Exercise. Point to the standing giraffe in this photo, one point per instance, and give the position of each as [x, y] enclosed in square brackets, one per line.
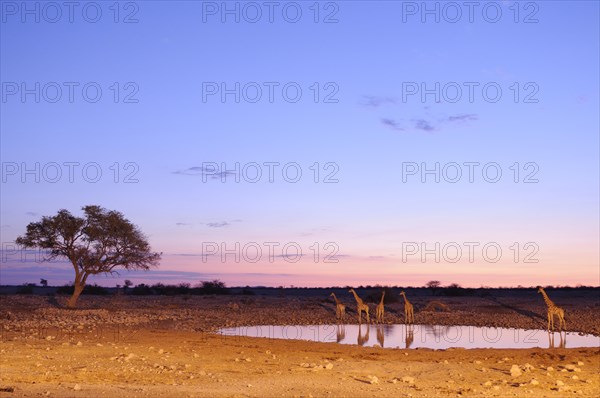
[360, 307]
[409, 315]
[380, 310]
[553, 310]
[340, 309]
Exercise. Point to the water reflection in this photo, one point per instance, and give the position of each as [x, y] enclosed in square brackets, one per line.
[410, 335]
[380, 335]
[361, 340]
[340, 333]
[563, 340]
[420, 336]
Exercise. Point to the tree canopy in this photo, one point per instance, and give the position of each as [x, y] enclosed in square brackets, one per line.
[97, 243]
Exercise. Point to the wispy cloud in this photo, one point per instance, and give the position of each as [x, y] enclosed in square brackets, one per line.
[422, 124]
[220, 224]
[32, 213]
[394, 125]
[428, 123]
[375, 101]
[205, 171]
[462, 118]
[182, 224]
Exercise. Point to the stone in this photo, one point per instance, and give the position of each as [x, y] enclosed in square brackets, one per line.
[515, 371]
[77, 387]
[408, 379]
[329, 366]
[528, 367]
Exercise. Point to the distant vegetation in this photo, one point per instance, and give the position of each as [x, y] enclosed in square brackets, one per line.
[89, 289]
[206, 287]
[26, 288]
[370, 293]
[391, 296]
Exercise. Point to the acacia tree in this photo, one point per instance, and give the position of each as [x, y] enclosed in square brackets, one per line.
[433, 285]
[95, 244]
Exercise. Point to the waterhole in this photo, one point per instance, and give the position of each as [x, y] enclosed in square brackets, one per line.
[419, 336]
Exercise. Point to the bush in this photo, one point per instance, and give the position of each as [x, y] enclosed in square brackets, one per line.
[211, 287]
[142, 290]
[95, 290]
[89, 289]
[248, 292]
[65, 289]
[375, 296]
[454, 290]
[26, 288]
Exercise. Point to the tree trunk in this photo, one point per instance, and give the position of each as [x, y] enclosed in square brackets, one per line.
[78, 288]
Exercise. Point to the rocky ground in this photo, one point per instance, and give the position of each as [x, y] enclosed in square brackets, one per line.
[166, 346]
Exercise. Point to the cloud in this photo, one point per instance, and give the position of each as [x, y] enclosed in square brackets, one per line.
[429, 123]
[32, 213]
[392, 124]
[217, 224]
[422, 124]
[583, 99]
[375, 102]
[462, 118]
[182, 223]
[205, 171]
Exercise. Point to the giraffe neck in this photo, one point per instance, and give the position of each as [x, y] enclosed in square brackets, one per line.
[382, 297]
[335, 298]
[358, 300]
[405, 299]
[549, 302]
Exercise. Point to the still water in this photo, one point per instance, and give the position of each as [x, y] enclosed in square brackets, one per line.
[419, 336]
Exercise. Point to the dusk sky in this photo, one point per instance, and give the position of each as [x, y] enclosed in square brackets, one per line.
[346, 103]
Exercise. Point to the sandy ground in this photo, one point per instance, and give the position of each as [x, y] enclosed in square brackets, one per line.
[165, 346]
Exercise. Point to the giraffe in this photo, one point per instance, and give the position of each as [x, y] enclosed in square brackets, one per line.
[553, 310]
[409, 316]
[380, 310]
[360, 307]
[340, 309]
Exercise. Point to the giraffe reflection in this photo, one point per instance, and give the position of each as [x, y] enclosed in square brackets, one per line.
[340, 333]
[361, 340]
[562, 343]
[380, 335]
[410, 335]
